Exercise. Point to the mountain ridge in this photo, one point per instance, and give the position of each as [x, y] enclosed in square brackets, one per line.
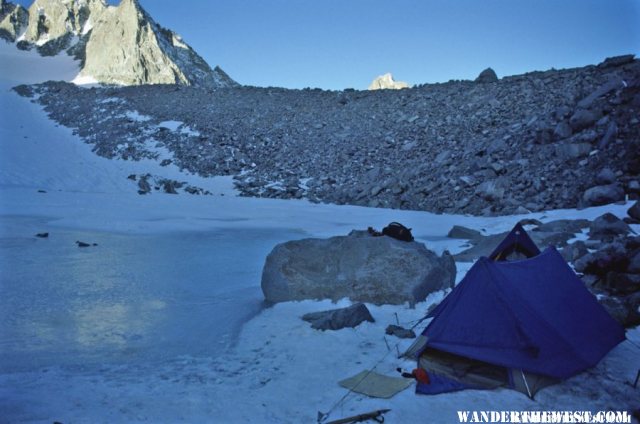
[120, 45]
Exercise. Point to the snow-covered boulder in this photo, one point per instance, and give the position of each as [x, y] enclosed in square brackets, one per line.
[379, 270]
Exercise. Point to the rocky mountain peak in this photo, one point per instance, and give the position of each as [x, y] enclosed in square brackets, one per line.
[119, 45]
[54, 19]
[13, 20]
[385, 82]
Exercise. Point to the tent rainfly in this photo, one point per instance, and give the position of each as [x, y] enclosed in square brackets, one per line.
[522, 324]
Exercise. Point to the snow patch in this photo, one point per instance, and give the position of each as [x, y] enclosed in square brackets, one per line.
[28, 67]
[178, 126]
[88, 26]
[135, 116]
[85, 80]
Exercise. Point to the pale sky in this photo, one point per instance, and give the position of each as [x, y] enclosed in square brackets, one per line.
[337, 44]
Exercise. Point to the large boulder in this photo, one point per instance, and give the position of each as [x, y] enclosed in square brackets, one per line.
[607, 227]
[612, 258]
[378, 270]
[488, 75]
[603, 194]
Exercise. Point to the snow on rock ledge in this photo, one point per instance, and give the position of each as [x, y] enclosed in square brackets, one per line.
[378, 270]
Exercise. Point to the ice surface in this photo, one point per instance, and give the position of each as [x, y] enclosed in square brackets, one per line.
[130, 299]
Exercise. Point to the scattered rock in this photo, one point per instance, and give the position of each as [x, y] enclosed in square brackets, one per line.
[379, 270]
[42, 235]
[611, 258]
[570, 151]
[634, 263]
[623, 283]
[582, 119]
[574, 251]
[634, 211]
[606, 176]
[603, 194]
[608, 227]
[490, 190]
[337, 319]
[143, 185]
[609, 136]
[460, 232]
[83, 244]
[617, 61]
[563, 130]
[169, 187]
[400, 332]
[625, 310]
[487, 76]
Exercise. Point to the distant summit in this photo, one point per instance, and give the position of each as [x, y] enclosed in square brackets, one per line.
[13, 18]
[115, 44]
[385, 82]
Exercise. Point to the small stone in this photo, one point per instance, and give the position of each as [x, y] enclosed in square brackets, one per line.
[460, 232]
[563, 130]
[400, 332]
[582, 119]
[606, 176]
[337, 319]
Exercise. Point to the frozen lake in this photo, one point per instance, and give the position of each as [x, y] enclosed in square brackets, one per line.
[131, 299]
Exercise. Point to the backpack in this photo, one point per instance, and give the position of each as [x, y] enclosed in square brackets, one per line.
[398, 231]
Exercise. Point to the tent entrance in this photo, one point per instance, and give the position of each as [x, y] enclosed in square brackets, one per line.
[451, 372]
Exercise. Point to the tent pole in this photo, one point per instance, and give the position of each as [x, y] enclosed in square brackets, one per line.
[526, 384]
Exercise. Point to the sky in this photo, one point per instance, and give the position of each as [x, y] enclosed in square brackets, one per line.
[338, 44]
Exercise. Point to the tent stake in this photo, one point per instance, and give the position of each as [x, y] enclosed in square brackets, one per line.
[635, 384]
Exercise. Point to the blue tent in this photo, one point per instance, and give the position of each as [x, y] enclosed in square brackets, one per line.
[517, 241]
[521, 324]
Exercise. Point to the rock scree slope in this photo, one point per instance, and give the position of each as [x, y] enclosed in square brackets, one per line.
[539, 141]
